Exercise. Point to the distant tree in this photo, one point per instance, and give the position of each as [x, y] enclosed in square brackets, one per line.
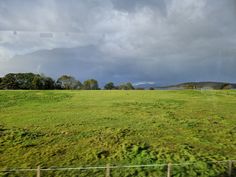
[110, 86]
[226, 86]
[151, 88]
[9, 82]
[48, 83]
[26, 81]
[126, 86]
[37, 82]
[140, 88]
[91, 84]
[68, 82]
[190, 86]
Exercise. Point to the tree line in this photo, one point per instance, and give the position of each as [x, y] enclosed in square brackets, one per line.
[31, 81]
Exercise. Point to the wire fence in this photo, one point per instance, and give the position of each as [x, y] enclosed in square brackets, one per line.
[107, 169]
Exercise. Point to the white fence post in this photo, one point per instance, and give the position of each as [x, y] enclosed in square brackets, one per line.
[230, 168]
[108, 170]
[38, 171]
[169, 170]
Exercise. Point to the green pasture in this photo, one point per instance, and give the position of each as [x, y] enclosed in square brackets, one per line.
[93, 128]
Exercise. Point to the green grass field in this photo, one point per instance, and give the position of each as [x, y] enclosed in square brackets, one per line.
[90, 128]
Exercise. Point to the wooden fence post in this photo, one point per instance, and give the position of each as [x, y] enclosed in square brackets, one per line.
[230, 168]
[108, 170]
[169, 170]
[38, 171]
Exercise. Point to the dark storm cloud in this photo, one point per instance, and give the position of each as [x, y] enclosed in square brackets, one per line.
[165, 41]
[134, 5]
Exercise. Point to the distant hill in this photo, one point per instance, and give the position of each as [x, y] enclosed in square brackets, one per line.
[200, 85]
[145, 85]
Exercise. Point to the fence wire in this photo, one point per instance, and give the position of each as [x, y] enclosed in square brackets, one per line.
[112, 167]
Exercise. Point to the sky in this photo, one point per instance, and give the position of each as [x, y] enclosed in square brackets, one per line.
[141, 41]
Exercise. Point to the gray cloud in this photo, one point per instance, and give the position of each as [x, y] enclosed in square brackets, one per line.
[135, 5]
[166, 41]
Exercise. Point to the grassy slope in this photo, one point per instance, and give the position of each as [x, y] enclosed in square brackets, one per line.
[74, 128]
